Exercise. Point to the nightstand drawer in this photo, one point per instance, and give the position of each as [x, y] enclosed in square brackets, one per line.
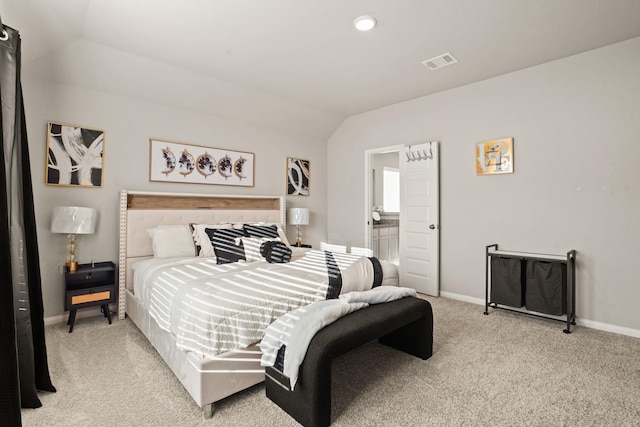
[84, 298]
[87, 297]
[103, 273]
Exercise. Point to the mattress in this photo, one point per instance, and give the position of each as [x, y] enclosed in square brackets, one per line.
[212, 308]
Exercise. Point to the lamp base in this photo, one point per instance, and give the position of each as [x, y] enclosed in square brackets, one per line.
[298, 241]
[71, 266]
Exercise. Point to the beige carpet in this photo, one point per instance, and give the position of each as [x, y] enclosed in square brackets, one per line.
[500, 370]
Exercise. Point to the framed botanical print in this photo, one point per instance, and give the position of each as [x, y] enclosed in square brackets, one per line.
[298, 177]
[494, 157]
[74, 156]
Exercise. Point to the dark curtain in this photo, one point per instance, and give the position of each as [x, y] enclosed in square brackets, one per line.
[23, 354]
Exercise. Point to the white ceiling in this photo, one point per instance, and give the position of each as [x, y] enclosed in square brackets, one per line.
[305, 54]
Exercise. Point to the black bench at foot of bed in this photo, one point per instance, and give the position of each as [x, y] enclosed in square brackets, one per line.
[405, 324]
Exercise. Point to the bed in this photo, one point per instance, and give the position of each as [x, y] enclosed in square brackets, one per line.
[210, 371]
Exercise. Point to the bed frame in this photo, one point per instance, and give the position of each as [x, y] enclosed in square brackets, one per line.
[210, 379]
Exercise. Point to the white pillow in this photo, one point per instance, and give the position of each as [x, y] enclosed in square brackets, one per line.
[201, 238]
[361, 251]
[341, 249]
[389, 273]
[252, 247]
[171, 241]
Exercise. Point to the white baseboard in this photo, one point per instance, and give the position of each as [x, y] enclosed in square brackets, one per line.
[609, 328]
[465, 298]
[581, 322]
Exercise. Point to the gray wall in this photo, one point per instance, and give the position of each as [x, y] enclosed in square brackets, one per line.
[575, 124]
[128, 125]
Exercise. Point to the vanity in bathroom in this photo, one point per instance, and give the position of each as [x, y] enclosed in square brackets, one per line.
[385, 239]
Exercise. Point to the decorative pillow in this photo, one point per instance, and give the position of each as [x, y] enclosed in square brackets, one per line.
[389, 274]
[196, 239]
[225, 246]
[256, 231]
[283, 237]
[261, 231]
[252, 247]
[170, 241]
[275, 252]
[201, 239]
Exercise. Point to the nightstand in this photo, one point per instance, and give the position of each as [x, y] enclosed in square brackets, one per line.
[303, 245]
[90, 285]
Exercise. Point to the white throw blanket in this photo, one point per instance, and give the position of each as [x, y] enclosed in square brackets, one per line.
[296, 329]
[379, 295]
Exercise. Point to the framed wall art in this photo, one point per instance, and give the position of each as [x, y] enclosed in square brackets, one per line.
[297, 177]
[195, 164]
[494, 157]
[74, 156]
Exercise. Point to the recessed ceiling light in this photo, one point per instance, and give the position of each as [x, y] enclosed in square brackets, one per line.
[364, 23]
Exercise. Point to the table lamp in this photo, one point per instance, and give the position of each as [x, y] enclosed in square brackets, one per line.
[72, 220]
[298, 217]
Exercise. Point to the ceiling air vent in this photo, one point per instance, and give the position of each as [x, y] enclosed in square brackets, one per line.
[440, 61]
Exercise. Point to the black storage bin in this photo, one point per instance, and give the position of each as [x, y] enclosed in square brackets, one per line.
[507, 281]
[546, 287]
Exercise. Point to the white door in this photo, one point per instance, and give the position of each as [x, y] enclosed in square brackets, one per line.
[419, 218]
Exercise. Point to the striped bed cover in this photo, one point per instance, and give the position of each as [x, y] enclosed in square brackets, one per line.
[213, 308]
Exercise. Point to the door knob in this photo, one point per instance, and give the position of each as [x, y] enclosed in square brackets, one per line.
[433, 226]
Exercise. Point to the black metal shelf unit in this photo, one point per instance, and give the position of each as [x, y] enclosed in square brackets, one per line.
[544, 284]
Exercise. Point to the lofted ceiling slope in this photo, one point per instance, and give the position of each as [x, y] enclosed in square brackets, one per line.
[297, 65]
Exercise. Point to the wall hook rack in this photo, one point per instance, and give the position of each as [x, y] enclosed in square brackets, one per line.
[413, 156]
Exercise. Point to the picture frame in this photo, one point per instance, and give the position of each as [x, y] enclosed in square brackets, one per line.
[494, 156]
[75, 156]
[197, 164]
[298, 177]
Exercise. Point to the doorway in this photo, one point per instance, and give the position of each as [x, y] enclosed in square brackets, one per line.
[417, 220]
[382, 206]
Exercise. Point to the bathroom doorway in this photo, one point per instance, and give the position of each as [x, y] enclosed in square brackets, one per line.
[409, 237]
[382, 202]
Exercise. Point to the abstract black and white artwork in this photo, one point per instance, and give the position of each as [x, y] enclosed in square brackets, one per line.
[297, 177]
[74, 156]
[195, 164]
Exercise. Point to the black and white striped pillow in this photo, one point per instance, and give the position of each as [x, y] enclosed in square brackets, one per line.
[227, 244]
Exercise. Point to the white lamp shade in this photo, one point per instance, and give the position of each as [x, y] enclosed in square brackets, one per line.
[299, 216]
[73, 220]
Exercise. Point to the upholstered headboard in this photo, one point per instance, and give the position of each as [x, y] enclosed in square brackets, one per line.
[140, 211]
